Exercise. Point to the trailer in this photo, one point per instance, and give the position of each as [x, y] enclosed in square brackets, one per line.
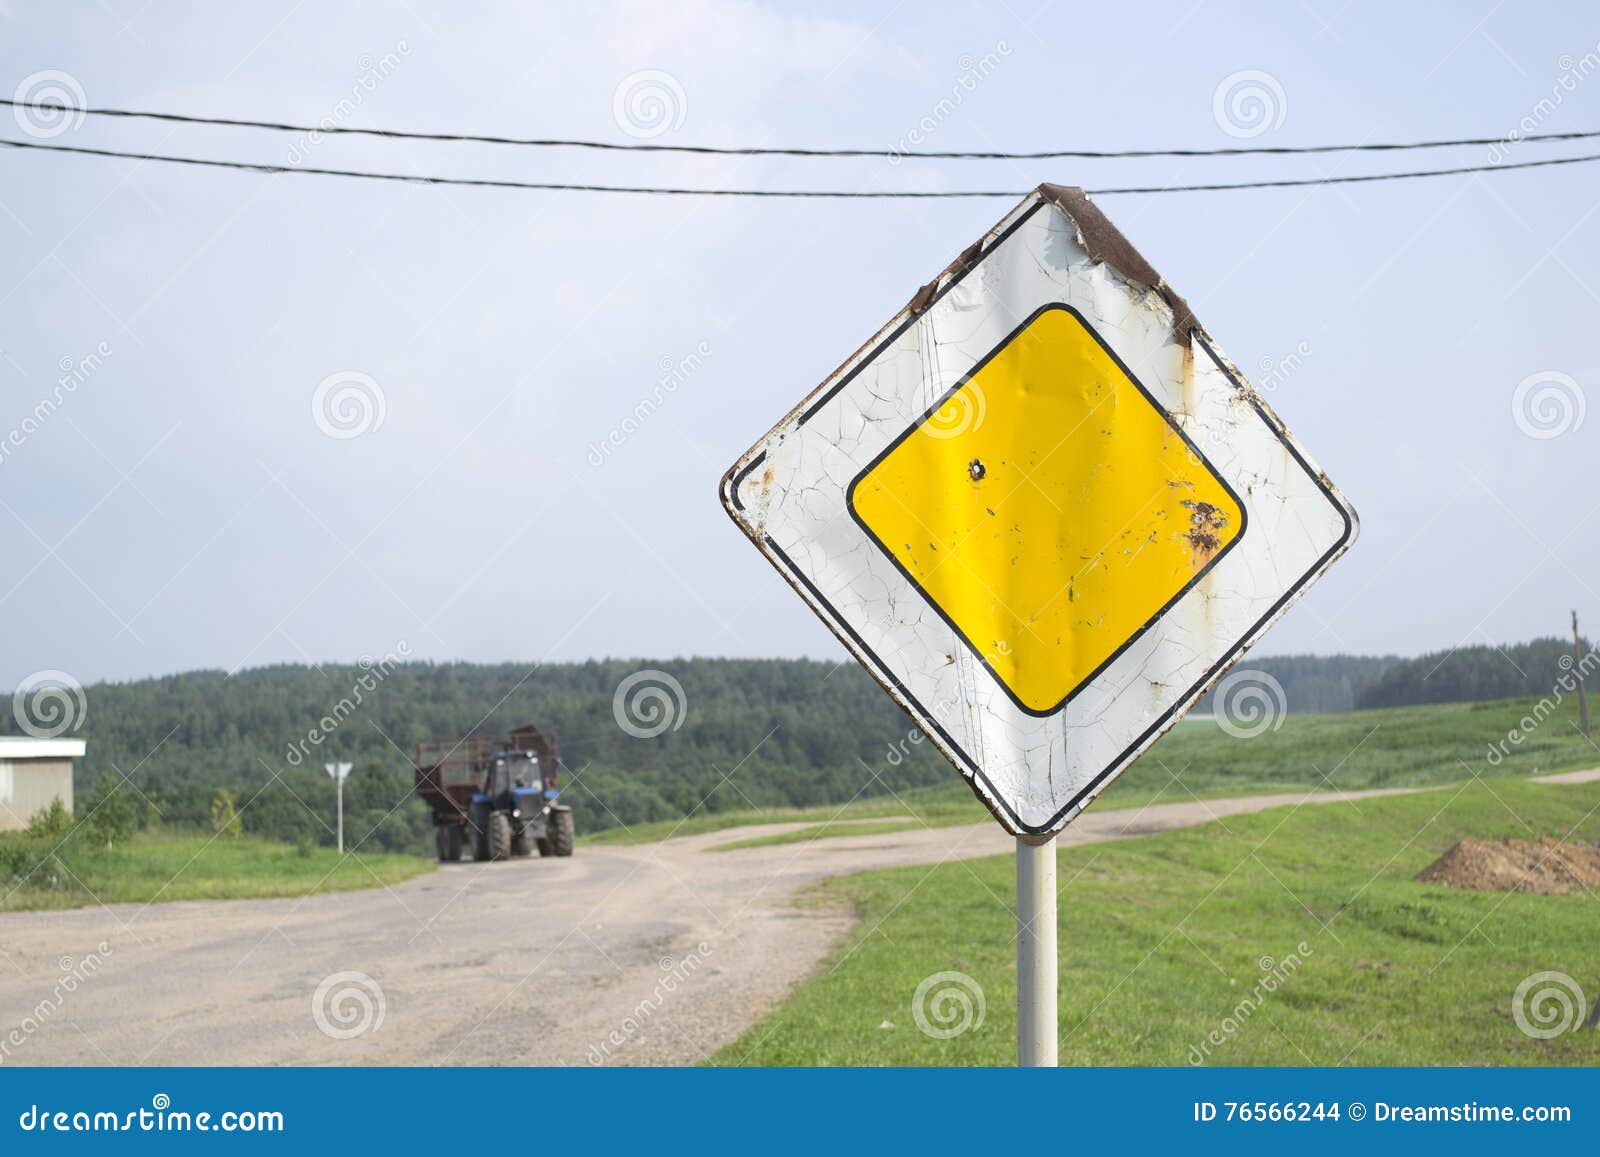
[495, 796]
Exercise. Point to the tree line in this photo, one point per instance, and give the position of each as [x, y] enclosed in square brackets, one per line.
[640, 741]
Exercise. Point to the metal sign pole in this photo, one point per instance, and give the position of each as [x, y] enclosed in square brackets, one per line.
[341, 815]
[1036, 953]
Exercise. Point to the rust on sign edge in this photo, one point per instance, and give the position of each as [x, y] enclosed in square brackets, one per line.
[1105, 243]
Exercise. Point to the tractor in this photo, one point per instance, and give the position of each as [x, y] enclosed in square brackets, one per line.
[495, 795]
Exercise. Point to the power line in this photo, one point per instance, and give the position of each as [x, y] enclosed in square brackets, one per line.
[832, 194]
[764, 151]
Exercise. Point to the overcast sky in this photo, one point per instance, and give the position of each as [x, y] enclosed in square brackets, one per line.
[186, 504]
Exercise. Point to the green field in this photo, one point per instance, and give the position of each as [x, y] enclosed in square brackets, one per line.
[1393, 747]
[1165, 938]
[73, 872]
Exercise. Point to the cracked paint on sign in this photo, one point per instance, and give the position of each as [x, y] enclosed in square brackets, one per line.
[1041, 509]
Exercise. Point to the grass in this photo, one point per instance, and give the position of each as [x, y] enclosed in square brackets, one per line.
[1165, 940]
[157, 866]
[1392, 747]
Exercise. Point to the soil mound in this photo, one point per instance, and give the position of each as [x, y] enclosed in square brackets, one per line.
[1546, 866]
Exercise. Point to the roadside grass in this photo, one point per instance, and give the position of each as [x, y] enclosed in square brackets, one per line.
[1392, 747]
[74, 871]
[1168, 940]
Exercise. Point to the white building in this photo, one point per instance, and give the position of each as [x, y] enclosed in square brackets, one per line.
[32, 773]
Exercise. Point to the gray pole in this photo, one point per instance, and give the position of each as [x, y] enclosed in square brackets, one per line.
[338, 771]
[1577, 659]
[1036, 954]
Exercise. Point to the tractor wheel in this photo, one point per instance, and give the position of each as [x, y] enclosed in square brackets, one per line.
[544, 848]
[480, 841]
[498, 837]
[522, 843]
[447, 841]
[561, 833]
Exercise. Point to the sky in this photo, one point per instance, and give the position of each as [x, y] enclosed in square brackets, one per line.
[311, 419]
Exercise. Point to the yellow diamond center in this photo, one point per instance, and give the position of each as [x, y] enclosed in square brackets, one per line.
[1048, 508]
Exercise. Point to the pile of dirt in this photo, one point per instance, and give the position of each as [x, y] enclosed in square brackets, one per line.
[1546, 866]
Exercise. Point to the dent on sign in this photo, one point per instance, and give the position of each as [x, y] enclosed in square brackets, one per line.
[1042, 508]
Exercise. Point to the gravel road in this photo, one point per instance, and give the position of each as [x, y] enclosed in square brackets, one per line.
[655, 954]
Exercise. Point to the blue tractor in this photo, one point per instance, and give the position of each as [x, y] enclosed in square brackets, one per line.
[495, 795]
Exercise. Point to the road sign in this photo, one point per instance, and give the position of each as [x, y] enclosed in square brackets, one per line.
[1042, 509]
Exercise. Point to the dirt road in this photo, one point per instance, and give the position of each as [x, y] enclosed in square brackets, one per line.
[654, 954]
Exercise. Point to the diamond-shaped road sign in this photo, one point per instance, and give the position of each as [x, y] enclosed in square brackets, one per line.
[1042, 509]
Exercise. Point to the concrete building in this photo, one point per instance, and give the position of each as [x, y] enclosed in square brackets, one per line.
[32, 773]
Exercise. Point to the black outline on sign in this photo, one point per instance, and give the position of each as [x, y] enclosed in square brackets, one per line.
[1244, 518]
[924, 718]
